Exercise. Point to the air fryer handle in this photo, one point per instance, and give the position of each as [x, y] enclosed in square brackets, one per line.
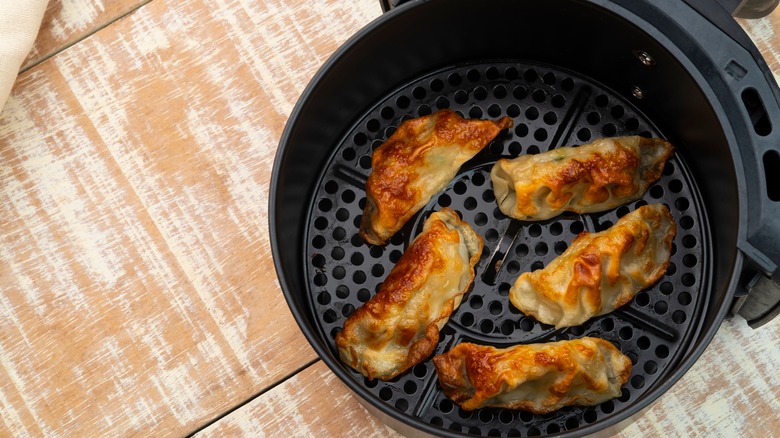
[737, 8]
[749, 8]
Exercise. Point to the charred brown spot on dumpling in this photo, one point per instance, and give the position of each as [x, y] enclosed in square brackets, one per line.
[417, 161]
[590, 178]
[599, 272]
[399, 326]
[540, 378]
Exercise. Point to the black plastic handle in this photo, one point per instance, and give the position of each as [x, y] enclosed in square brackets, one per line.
[737, 8]
[749, 8]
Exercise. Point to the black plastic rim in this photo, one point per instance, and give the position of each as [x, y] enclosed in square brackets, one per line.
[550, 108]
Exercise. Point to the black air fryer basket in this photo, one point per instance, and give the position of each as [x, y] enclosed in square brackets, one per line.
[567, 72]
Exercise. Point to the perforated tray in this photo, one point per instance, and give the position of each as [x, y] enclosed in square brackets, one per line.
[550, 108]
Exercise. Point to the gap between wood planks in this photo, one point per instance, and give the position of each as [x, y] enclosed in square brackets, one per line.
[253, 397]
[85, 36]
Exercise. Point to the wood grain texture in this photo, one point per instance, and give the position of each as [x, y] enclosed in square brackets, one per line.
[138, 290]
[68, 21]
[695, 406]
[731, 391]
[295, 409]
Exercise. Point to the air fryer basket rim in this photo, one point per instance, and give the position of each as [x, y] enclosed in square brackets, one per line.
[300, 314]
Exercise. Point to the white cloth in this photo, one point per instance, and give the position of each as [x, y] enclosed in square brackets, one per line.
[19, 24]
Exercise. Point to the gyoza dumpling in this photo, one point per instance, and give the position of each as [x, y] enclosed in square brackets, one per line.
[599, 272]
[540, 378]
[421, 157]
[590, 178]
[399, 327]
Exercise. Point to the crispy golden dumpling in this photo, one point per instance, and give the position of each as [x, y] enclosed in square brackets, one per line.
[416, 162]
[399, 327]
[540, 378]
[599, 272]
[590, 178]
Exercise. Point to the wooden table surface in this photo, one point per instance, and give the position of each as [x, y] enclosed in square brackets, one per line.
[138, 294]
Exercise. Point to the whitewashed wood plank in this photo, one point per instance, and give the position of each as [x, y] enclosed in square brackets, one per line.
[312, 403]
[68, 21]
[718, 397]
[138, 290]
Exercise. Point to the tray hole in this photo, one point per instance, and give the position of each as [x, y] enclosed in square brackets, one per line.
[520, 92]
[550, 118]
[445, 406]
[678, 317]
[485, 416]
[507, 328]
[521, 130]
[323, 298]
[329, 316]
[506, 416]
[607, 325]
[757, 112]
[461, 97]
[480, 93]
[499, 91]
[772, 173]
[521, 250]
[558, 101]
[473, 75]
[526, 324]
[583, 134]
[488, 196]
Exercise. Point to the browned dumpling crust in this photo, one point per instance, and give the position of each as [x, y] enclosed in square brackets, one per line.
[399, 327]
[421, 157]
[599, 272]
[540, 378]
[594, 177]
